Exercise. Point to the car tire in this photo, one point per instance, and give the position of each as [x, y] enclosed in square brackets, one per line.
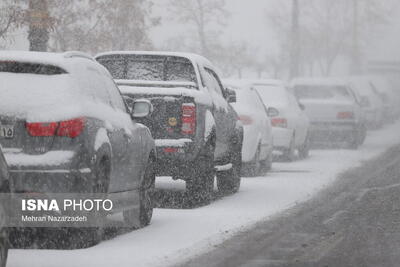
[304, 150]
[91, 236]
[267, 164]
[146, 200]
[200, 184]
[254, 168]
[229, 181]
[4, 245]
[358, 137]
[289, 153]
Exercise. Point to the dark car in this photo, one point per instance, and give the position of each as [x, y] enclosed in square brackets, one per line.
[4, 189]
[64, 127]
[196, 129]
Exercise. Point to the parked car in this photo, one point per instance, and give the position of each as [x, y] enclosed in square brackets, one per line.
[258, 141]
[194, 125]
[389, 96]
[371, 102]
[289, 122]
[334, 110]
[4, 189]
[65, 128]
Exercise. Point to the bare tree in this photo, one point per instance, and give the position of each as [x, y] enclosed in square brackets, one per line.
[203, 15]
[98, 25]
[10, 17]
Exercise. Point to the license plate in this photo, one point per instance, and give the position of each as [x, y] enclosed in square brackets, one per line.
[7, 131]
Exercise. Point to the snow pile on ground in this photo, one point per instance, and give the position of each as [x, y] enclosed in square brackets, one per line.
[176, 235]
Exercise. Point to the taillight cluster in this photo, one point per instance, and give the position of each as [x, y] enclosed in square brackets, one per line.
[188, 118]
[70, 128]
[345, 115]
[279, 122]
[246, 120]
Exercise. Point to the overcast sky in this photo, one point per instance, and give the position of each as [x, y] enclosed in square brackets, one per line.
[248, 23]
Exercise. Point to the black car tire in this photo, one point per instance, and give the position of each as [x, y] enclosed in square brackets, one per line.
[304, 150]
[254, 168]
[229, 181]
[358, 137]
[3, 242]
[200, 185]
[267, 164]
[146, 195]
[289, 153]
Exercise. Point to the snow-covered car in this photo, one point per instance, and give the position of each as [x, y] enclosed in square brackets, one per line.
[257, 141]
[195, 127]
[4, 231]
[289, 122]
[334, 110]
[371, 102]
[65, 129]
[389, 95]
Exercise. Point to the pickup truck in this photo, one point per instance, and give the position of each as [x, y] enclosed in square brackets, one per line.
[197, 132]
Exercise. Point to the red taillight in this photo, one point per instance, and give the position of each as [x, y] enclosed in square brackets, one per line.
[188, 118]
[279, 122]
[170, 149]
[246, 120]
[42, 129]
[70, 128]
[345, 115]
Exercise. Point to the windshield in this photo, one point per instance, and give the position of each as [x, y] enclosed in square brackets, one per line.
[321, 92]
[149, 68]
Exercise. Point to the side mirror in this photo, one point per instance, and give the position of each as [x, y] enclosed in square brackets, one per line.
[302, 107]
[230, 95]
[272, 112]
[141, 108]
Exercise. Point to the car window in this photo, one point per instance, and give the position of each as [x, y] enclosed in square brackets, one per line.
[214, 82]
[115, 95]
[30, 68]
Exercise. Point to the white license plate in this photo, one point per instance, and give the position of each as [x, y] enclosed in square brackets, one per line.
[7, 131]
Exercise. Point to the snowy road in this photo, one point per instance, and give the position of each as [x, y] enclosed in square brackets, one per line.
[176, 235]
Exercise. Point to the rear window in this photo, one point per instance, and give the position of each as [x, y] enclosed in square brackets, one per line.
[149, 68]
[272, 95]
[320, 92]
[30, 68]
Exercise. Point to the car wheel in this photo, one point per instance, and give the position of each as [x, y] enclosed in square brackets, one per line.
[229, 181]
[288, 153]
[253, 169]
[146, 195]
[357, 138]
[3, 240]
[304, 150]
[267, 164]
[91, 236]
[200, 184]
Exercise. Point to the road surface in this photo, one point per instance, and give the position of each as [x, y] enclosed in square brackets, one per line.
[356, 222]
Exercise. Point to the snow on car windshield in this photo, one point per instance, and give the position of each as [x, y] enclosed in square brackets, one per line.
[321, 92]
[149, 68]
[272, 95]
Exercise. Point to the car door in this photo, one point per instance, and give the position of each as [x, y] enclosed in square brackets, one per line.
[264, 124]
[128, 150]
[220, 112]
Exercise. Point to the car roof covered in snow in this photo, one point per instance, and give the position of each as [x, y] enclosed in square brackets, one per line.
[248, 82]
[327, 81]
[62, 60]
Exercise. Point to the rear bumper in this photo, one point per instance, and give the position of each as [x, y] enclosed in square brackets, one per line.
[282, 138]
[54, 171]
[332, 131]
[175, 157]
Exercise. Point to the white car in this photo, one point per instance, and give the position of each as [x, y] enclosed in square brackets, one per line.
[334, 110]
[258, 142]
[289, 122]
[371, 102]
